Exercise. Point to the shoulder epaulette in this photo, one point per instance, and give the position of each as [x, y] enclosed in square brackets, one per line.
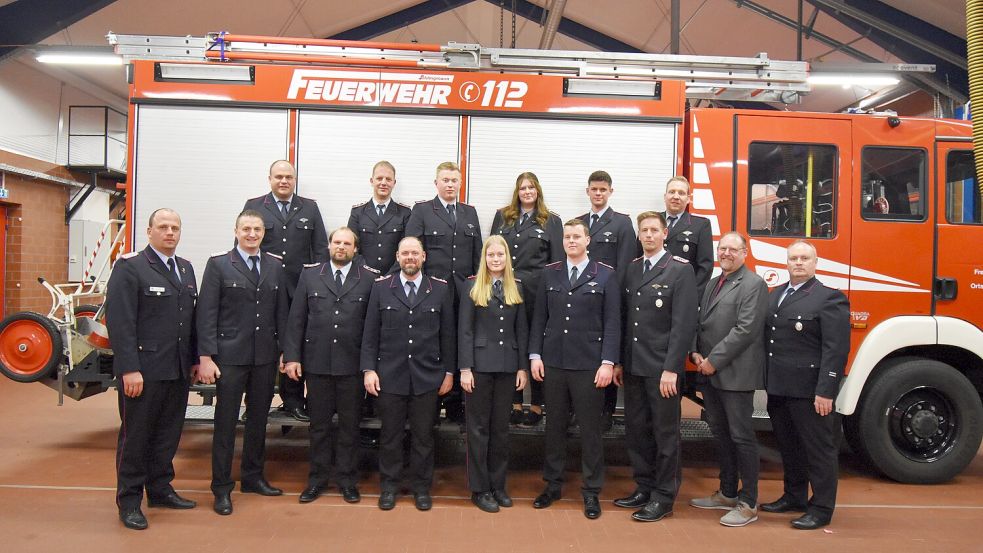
[218, 254]
[274, 255]
[128, 255]
[438, 279]
[401, 203]
[361, 204]
[306, 199]
[462, 203]
[680, 259]
[311, 265]
[553, 264]
[518, 280]
[421, 201]
[258, 198]
[605, 264]
[383, 278]
[376, 271]
[637, 258]
[473, 277]
[553, 213]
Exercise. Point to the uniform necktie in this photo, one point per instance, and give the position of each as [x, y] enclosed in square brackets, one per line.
[672, 221]
[573, 277]
[648, 266]
[254, 260]
[337, 279]
[381, 208]
[283, 208]
[523, 219]
[788, 292]
[412, 293]
[593, 219]
[452, 212]
[173, 269]
[497, 290]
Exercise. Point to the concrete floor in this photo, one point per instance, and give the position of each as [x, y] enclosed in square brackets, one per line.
[57, 486]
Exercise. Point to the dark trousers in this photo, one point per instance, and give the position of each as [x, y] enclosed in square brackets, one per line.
[730, 416]
[566, 390]
[807, 442]
[327, 395]
[149, 432]
[291, 392]
[256, 382]
[487, 411]
[421, 413]
[536, 387]
[653, 438]
[610, 399]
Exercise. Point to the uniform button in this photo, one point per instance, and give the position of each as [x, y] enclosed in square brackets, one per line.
[180, 324]
[257, 302]
[636, 324]
[380, 259]
[284, 239]
[568, 305]
[501, 318]
[773, 328]
[769, 354]
[410, 356]
[380, 245]
[336, 326]
[380, 232]
[501, 343]
[411, 341]
[635, 339]
[335, 341]
[411, 311]
[639, 293]
[775, 315]
[501, 330]
[514, 258]
[337, 312]
[284, 227]
[569, 294]
[565, 331]
[517, 235]
[636, 309]
[515, 245]
[284, 253]
[453, 259]
[257, 314]
[257, 328]
[410, 326]
[772, 341]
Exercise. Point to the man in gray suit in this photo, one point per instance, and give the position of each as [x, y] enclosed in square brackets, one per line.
[730, 350]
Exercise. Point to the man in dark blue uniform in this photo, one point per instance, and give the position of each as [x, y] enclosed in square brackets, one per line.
[659, 307]
[409, 352]
[612, 242]
[323, 338]
[574, 343]
[690, 236]
[380, 222]
[451, 239]
[295, 232]
[808, 339]
[242, 311]
[150, 315]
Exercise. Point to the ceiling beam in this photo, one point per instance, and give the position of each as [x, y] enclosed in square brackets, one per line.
[570, 28]
[400, 19]
[27, 22]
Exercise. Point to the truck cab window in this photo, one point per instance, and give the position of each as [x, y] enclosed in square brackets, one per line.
[792, 189]
[963, 193]
[892, 185]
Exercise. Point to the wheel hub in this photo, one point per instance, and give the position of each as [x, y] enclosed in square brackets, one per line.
[922, 425]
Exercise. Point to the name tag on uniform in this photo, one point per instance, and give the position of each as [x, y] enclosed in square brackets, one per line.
[158, 289]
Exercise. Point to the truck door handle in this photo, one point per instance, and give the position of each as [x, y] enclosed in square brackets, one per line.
[945, 288]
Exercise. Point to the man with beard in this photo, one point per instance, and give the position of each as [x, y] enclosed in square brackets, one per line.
[409, 352]
[323, 338]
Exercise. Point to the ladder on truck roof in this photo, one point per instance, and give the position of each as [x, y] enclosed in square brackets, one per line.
[707, 77]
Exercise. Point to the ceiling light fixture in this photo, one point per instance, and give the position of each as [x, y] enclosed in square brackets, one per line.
[77, 55]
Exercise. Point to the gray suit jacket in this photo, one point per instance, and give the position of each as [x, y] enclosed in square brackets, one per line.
[731, 331]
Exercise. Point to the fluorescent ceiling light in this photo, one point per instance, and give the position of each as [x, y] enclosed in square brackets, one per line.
[77, 55]
[853, 80]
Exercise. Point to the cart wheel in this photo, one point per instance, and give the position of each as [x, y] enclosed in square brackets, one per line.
[86, 311]
[30, 347]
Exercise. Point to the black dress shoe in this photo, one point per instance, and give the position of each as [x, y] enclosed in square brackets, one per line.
[545, 499]
[531, 419]
[350, 494]
[592, 507]
[298, 413]
[133, 519]
[515, 419]
[387, 501]
[783, 505]
[502, 498]
[311, 493]
[653, 511]
[423, 501]
[261, 486]
[810, 521]
[485, 501]
[171, 501]
[223, 504]
[633, 501]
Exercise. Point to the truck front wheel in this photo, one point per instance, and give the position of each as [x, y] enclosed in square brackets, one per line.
[920, 421]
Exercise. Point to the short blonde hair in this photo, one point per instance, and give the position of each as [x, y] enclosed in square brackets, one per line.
[447, 166]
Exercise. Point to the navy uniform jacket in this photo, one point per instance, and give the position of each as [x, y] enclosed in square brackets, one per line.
[492, 339]
[151, 317]
[324, 330]
[239, 320]
[532, 247]
[411, 347]
[691, 238]
[378, 238]
[612, 240]
[297, 240]
[577, 328]
[452, 252]
[660, 310]
[808, 340]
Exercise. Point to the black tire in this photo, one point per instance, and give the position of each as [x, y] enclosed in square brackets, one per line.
[30, 347]
[851, 433]
[920, 421]
[86, 310]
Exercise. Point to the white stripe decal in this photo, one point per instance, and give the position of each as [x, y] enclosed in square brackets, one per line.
[703, 199]
[771, 253]
[697, 148]
[700, 174]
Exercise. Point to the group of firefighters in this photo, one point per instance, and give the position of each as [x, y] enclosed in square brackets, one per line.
[409, 305]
